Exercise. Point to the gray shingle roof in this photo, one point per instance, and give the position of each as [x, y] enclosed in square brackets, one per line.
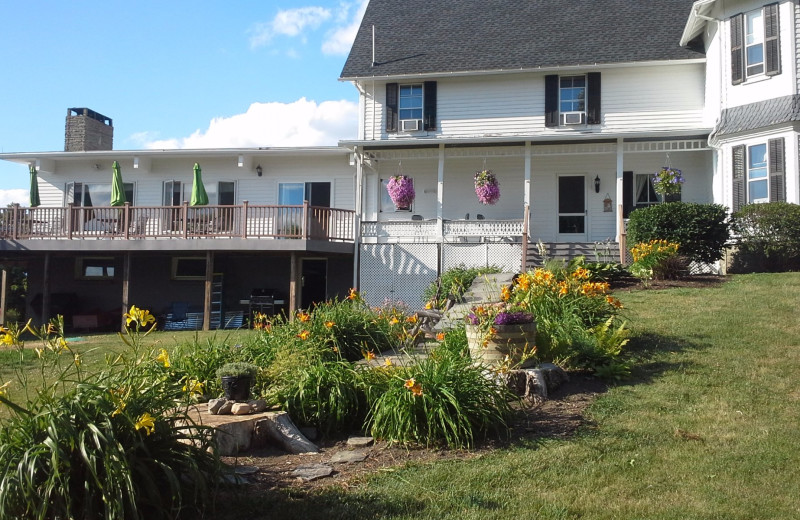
[759, 115]
[436, 36]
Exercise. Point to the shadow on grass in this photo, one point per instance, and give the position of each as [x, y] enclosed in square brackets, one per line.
[650, 356]
[323, 503]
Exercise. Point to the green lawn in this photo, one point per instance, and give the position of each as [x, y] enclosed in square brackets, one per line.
[707, 428]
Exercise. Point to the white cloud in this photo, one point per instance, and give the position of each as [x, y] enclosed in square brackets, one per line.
[339, 40]
[288, 22]
[20, 196]
[301, 123]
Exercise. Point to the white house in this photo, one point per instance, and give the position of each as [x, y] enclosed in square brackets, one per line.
[572, 105]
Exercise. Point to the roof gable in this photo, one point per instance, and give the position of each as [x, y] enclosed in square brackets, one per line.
[440, 36]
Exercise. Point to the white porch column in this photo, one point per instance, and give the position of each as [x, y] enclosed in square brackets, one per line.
[619, 194]
[440, 194]
[527, 182]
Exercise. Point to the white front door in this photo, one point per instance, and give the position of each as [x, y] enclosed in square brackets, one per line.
[571, 208]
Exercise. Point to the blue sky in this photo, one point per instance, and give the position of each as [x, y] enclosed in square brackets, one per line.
[175, 74]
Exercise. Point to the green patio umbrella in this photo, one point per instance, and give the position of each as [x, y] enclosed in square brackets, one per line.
[34, 188]
[199, 195]
[117, 188]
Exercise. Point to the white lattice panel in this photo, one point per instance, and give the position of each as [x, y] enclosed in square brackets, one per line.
[508, 257]
[487, 228]
[397, 272]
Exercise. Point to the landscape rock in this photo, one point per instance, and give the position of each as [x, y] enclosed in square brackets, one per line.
[257, 405]
[360, 442]
[310, 472]
[214, 405]
[346, 457]
[246, 470]
[226, 407]
[241, 409]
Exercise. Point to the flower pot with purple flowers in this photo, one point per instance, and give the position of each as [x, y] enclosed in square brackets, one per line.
[486, 187]
[401, 191]
[499, 334]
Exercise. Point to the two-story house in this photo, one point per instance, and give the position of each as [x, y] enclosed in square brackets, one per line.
[276, 234]
[753, 96]
[572, 105]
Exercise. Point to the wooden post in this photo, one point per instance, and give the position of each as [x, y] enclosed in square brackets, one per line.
[70, 217]
[525, 239]
[306, 220]
[208, 287]
[185, 219]
[15, 227]
[294, 286]
[126, 278]
[3, 285]
[46, 290]
[244, 219]
[126, 220]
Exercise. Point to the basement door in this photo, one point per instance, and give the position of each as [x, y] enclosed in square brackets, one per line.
[572, 208]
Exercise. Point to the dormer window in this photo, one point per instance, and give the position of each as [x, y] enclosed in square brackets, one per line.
[755, 44]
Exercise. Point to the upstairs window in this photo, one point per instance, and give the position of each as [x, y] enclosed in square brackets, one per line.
[755, 44]
[572, 100]
[410, 108]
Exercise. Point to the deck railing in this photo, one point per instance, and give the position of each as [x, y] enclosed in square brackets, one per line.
[143, 222]
[451, 230]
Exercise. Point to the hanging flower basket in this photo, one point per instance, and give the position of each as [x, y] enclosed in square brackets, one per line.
[486, 187]
[401, 191]
[668, 181]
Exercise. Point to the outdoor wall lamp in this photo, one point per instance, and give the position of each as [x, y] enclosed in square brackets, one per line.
[596, 183]
[259, 170]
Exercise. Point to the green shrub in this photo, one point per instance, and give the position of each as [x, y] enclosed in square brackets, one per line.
[117, 444]
[768, 237]
[454, 283]
[443, 399]
[601, 351]
[700, 229]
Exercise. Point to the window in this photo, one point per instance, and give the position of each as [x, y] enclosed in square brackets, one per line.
[757, 187]
[759, 173]
[173, 193]
[387, 206]
[644, 194]
[188, 268]
[755, 44]
[410, 104]
[572, 94]
[572, 100]
[95, 194]
[410, 107]
[94, 268]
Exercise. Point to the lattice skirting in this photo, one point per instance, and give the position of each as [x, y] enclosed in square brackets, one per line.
[507, 257]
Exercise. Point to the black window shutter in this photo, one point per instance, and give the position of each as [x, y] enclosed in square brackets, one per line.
[429, 110]
[593, 98]
[772, 46]
[777, 170]
[737, 49]
[391, 107]
[739, 195]
[551, 100]
[627, 194]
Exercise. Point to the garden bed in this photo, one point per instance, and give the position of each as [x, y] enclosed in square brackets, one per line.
[556, 418]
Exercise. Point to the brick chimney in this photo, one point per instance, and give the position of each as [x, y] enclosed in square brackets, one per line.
[87, 131]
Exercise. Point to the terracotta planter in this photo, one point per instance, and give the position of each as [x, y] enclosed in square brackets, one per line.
[510, 340]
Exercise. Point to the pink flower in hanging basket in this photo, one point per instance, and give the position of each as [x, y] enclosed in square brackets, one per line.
[486, 187]
[401, 190]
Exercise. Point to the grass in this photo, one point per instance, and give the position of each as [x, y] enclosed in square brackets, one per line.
[705, 429]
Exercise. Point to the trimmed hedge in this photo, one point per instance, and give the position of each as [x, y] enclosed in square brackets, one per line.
[700, 229]
[768, 237]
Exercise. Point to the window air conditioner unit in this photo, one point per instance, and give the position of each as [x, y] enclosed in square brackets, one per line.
[573, 118]
[410, 125]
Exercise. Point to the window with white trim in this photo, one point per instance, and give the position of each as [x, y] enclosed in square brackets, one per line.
[757, 175]
[572, 94]
[754, 43]
[644, 194]
[410, 102]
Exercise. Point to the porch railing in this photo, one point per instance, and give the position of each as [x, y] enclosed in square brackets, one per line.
[451, 230]
[142, 222]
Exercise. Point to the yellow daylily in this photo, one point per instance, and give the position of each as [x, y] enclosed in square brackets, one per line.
[163, 357]
[193, 386]
[146, 421]
[4, 388]
[142, 317]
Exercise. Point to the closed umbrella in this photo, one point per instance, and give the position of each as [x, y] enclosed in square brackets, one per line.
[117, 188]
[199, 195]
[34, 188]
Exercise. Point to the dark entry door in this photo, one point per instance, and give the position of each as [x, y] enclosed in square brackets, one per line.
[572, 208]
[315, 281]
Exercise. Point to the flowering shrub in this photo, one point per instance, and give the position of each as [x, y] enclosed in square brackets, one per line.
[486, 187]
[668, 181]
[118, 444]
[401, 190]
[656, 259]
